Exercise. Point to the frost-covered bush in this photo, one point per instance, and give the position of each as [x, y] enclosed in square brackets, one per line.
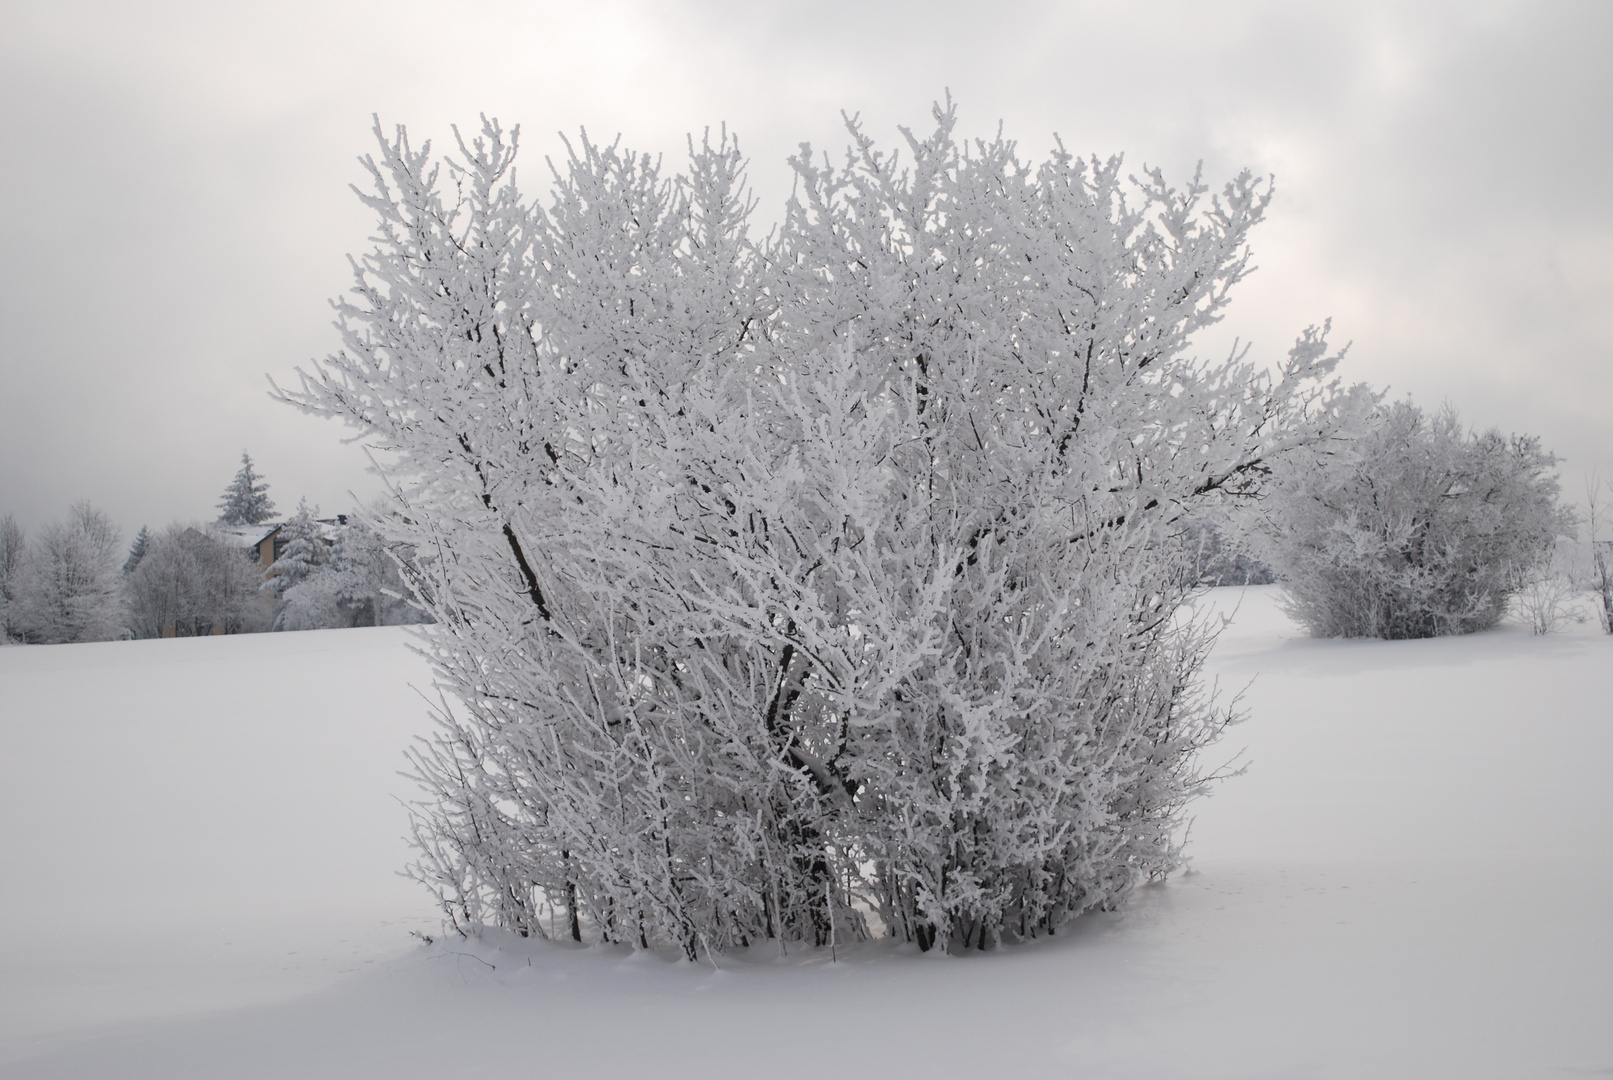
[1419, 528]
[816, 588]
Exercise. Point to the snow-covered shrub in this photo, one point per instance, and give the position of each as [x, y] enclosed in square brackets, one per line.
[68, 587]
[784, 586]
[1417, 529]
[190, 583]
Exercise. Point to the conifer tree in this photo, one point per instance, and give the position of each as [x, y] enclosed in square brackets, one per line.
[137, 551]
[246, 500]
[305, 552]
[363, 570]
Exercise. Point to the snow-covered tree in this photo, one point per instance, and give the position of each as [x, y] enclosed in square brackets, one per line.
[192, 583]
[365, 572]
[314, 603]
[13, 549]
[161, 589]
[246, 500]
[1419, 528]
[350, 579]
[1545, 594]
[1600, 577]
[69, 588]
[1221, 556]
[786, 586]
[306, 551]
[137, 550]
[230, 580]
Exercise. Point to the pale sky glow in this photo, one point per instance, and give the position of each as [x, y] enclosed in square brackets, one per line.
[176, 211]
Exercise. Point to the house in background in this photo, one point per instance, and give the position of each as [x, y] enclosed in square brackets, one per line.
[196, 610]
[267, 541]
[263, 539]
[208, 599]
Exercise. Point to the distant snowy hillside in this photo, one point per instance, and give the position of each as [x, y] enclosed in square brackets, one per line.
[200, 841]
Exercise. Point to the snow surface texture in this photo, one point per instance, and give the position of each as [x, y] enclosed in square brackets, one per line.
[200, 842]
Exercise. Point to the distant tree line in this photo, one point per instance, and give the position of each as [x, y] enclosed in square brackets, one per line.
[1408, 526]
[73, 582]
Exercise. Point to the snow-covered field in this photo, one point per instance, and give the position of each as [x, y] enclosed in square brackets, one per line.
[199, 842]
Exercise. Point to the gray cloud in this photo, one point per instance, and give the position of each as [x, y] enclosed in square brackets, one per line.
[176, 212]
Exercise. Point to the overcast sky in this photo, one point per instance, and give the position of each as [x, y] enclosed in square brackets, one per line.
[176, 211]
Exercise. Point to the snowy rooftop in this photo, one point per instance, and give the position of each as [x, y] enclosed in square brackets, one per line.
[244, 536]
